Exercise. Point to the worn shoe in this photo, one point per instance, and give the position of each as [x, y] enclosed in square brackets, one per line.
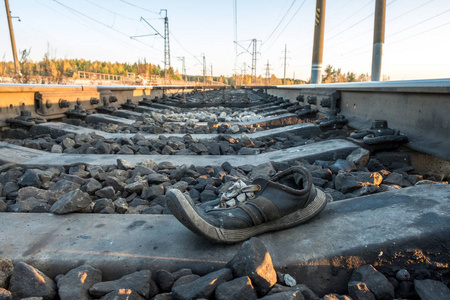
[285, 200]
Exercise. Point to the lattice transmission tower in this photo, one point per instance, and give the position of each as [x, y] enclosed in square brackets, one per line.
[166, 44]
[166, 41]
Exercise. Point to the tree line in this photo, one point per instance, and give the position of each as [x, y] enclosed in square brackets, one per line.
[52, 70]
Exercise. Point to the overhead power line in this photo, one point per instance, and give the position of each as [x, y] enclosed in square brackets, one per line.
[98, 22]
[421, 22]
[287, 24]
[281, 21]
[140, 7]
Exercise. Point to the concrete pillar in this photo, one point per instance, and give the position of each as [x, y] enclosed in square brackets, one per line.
[319, 28]
[378, 39]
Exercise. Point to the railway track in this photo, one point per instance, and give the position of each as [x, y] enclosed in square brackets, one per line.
[124, 148]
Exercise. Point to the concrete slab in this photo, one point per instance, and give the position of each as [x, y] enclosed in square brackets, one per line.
[325, 150]
[380, 229]
[56, 129]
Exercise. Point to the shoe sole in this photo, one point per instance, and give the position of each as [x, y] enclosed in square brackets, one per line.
[184, 210]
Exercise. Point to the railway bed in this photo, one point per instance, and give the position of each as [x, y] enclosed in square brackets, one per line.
[400, 220]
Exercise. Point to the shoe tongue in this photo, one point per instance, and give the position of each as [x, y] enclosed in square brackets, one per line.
[298, 178]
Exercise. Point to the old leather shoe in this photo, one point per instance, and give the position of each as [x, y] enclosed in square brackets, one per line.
[285, 200]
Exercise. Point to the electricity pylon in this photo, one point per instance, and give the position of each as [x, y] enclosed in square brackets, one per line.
[254, 53]
[166, 41]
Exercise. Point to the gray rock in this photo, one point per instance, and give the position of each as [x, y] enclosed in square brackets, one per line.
[136, 187]
[153, 191]
[359, 291]
[63, 187]
[203, 287]
[431, 289]
[167, 150]
[6, 268]
[234, 129]
[103, 206]
[359, 156]
[403, 275]
[46, 175]
[102, 148]
[127, 150]
[115, 182]
[30, 178]
[236, 289]
[342, 165]
[157, 178]
[265, 170]
[106, 192]
[41, 195]
[376, 282]
[254, 261]
[91, 185]
[76, 283]
[120, 205]
[179, 172]
[26, 205]
[73, 178]
[140, 282]
[397, 179]
[125, 164]
[68, 143]
[56, 149]
[122, 294]
[79, 170]
[198, 148]
[27, 281]
[9, 187]
[207, 195]
[71, 202]
[348, 182]
[142, 170]
[185, 279]
[180, 185]
[165, 279]
[6, 167]
[149, 164]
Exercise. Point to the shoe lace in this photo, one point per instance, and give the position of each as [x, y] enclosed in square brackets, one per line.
[237, 193]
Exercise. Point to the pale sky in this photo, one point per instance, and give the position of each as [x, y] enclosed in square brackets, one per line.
[417, 39]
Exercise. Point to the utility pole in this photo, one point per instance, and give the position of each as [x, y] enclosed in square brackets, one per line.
[211, 71]
[319, 28]
[204, 69]
[13, 42]
[378, 39]
[183, 67]
[285, 50]
[267, 73]
[254, 41]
